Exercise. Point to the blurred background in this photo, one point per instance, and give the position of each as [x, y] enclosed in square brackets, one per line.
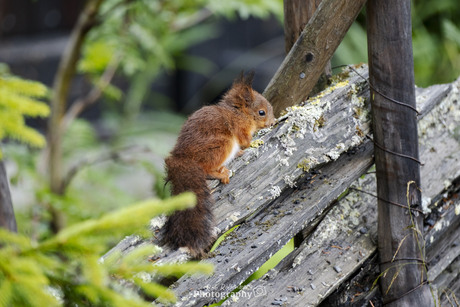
[145, 65]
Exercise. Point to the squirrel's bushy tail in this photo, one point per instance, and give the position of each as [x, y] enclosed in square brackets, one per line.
[191, 228]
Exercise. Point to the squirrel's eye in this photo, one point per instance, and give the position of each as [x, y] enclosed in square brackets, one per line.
[262, 113]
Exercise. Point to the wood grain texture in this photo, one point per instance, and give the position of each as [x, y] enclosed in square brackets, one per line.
[391, 72]
[297, 13]
[307, 59]
[346, 237]
[442, 255]
[7, 218]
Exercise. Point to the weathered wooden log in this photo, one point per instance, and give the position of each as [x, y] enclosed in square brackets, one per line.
[443, 251]
[307, 59]
[267, 224]
[345, 239]
[439, 146]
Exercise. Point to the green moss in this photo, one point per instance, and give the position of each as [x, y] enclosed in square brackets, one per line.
[304, 165]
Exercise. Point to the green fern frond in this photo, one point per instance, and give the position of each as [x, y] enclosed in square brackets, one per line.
[66, 269]
[12, 125]
[156, 290]
[8, 238]
[22, 104]
[143, 252]
[91, 293]
[27, 292]
[22, 87]
[18, 98]
[131, 216]
[6, 290]
[93, 271]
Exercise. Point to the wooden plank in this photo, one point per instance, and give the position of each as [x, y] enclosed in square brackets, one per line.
[339, 228]
[307, 59]
[444, 264]
[262, 235]
[342, 241]
[442, 224]
[448, 284]
[265, 233]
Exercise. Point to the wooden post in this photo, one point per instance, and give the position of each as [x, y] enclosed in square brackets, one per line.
[305, 63]
[391, 72]
[297, 13]
[7, 219]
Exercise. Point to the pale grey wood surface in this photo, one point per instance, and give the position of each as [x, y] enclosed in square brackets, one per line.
[343, 227]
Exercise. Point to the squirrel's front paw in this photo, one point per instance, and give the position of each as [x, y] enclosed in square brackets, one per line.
[225, 177]
[240, 152]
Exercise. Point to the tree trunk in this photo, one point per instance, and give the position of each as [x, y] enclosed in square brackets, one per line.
[297, 13]
[7, 219]
[61, 86]
[400, 234]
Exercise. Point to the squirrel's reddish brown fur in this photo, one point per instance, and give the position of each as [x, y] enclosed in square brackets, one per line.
[208, 141]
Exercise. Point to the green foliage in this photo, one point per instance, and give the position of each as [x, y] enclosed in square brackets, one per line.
[247, 8]
[19, 98]
[66, 269]
[99, 187]
[150, 36]
[435, 39]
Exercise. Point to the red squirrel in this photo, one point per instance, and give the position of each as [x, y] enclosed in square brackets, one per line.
[208, 141]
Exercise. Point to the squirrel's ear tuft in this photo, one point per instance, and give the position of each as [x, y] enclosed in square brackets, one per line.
[240, 78]
[241, 93]
[249, 78]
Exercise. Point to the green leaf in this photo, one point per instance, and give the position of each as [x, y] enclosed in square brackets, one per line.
[96, 56]
[127, 218]
[451, 31]
[197, 64]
